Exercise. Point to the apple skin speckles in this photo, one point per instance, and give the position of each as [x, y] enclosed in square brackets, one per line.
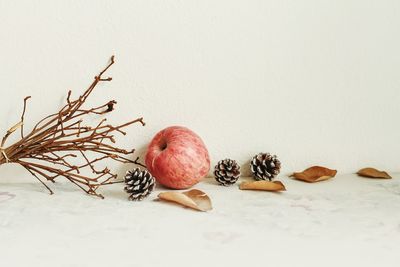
[177, 158]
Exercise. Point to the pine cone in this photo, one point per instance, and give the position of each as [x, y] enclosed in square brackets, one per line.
[264, 166]
[227, 172]
[139, 184]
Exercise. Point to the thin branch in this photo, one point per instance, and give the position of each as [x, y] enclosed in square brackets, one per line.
[58, 137]
[23, 116]
[34, 175]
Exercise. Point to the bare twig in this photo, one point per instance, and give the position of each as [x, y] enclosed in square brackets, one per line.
[62, 136]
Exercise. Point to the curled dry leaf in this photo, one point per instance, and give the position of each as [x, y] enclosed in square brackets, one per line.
[315, 174]
[194, 199]
[373, 173]
[274, 186]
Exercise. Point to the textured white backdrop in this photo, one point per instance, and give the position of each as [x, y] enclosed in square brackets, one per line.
[316, 82]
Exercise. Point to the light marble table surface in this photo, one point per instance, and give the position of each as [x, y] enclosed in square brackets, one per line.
[346, 221]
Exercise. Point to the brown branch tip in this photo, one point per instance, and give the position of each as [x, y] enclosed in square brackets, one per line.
[62, 145]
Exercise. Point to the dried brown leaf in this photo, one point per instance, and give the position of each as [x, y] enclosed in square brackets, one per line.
[373, 173]
[315, 174]
[194, 199]
[263, 186]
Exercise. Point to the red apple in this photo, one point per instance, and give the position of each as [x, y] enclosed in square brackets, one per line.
[177, 158]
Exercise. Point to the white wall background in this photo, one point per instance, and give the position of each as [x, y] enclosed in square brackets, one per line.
[316, 82]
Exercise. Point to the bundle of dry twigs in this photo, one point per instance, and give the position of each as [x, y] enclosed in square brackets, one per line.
[48, 150]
